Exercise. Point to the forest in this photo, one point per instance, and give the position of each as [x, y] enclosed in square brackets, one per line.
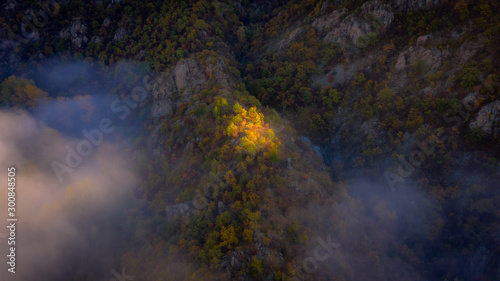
[255, 140]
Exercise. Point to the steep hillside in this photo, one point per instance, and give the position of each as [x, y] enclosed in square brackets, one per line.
[279, 140]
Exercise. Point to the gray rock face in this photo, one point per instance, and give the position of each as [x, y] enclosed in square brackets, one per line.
[221, 206]
[120, 34]
[187, 77]
[330, 20]
[178, 210]
[431, 58]
[427, 51]
[96, 39]
[290, 38]
[421, 53]
[402, 61]
[342, 27]
[76, 32]
[10, 6]
[178, 85]
[468, 49]
[488, 118]
[423, 41]
[106, 22]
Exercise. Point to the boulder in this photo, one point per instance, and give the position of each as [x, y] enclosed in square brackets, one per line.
[120, 34]
[106, 22]
[177, 210]
[416, 55]
[488, 118]
[342, 27]
[76, 32]
[186, 78]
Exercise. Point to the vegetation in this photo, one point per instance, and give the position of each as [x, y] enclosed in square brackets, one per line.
[19, 92]
[234, 155]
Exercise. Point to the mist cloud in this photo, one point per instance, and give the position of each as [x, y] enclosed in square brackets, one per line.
[63, 225]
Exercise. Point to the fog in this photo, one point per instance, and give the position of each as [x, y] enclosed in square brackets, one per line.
[74, 175]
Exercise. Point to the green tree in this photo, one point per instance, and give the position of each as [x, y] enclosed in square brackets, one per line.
[20, 92]
[385, 96]
[255, 267]
[228, 237]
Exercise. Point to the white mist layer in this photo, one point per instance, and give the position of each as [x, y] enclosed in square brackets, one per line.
[59, 223]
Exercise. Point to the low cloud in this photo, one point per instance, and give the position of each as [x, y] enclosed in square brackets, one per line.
[62, 226]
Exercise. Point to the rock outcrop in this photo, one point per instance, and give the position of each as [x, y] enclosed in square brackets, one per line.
[184, 79]
[76, 32]
[344, 26]
[187, 78]
[120, 34]
[422, 55]
[488, 118]
[341, 26]
[106, 22]
[292, 35]
[179, 210]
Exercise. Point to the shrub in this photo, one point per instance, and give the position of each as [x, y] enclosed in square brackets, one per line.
[200, 110]
[256, 267]
[368, 40]
[469, 76]
[385, 96]
[475, 135]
